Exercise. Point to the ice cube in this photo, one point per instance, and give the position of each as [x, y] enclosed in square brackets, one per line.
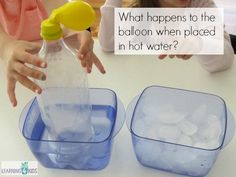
[199, 115]
[147, 126]
[165, 108]
[211, 129]
[101, 122]
[188, 127]
[185, 140]
[61, 118]
[102, 127]
[171, 117]
[149, 110]
[165, 113]
[169, 133]
[215, 124]
[150, 120]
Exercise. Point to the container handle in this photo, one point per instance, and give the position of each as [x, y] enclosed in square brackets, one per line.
[130, 111]
[230, 130]
[24, 114]
[120, 118]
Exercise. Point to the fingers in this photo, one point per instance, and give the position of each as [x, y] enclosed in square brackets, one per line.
[186, 57]
[172, 56]
[83, 63]
[28, 72]
[83, 55]
[89, 59]
[180, 56]
[85, 47]
[27, 83]
[25, 57]
[89, 64]
[161, 57]
[11, 91]
[98, 64]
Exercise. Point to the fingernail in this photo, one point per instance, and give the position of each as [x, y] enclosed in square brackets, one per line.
[13, 104]
[43, 65]
[37, 91]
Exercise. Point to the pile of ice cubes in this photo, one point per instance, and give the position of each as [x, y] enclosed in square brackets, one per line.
[193, 132]
[167, 124]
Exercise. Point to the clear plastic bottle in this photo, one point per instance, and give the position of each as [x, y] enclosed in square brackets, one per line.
[64, 102]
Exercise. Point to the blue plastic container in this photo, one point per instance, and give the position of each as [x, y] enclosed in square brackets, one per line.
[107, 120]
[163, 136]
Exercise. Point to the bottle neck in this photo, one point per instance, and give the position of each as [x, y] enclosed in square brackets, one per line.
[53, 46]
[50, 44]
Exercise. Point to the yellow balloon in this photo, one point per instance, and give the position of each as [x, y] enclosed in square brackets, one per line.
[76, 15]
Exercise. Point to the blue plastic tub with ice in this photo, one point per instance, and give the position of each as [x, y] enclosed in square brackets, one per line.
[179, 131]
[107, 119]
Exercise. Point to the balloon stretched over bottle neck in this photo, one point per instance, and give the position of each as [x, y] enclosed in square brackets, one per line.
[76, 15]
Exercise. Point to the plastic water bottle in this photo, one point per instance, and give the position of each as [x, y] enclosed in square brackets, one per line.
[64, 102]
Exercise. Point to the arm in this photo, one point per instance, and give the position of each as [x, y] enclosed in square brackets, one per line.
[216, 63]
[106, 31]
[50, 5]
[4, 40]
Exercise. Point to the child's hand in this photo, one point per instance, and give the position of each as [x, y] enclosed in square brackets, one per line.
[184, 57]
[17, 56]
[85, 50]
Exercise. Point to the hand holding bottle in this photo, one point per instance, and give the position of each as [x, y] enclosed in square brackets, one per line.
[17, 57]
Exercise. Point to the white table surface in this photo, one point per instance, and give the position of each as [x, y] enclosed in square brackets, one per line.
[127, 76]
